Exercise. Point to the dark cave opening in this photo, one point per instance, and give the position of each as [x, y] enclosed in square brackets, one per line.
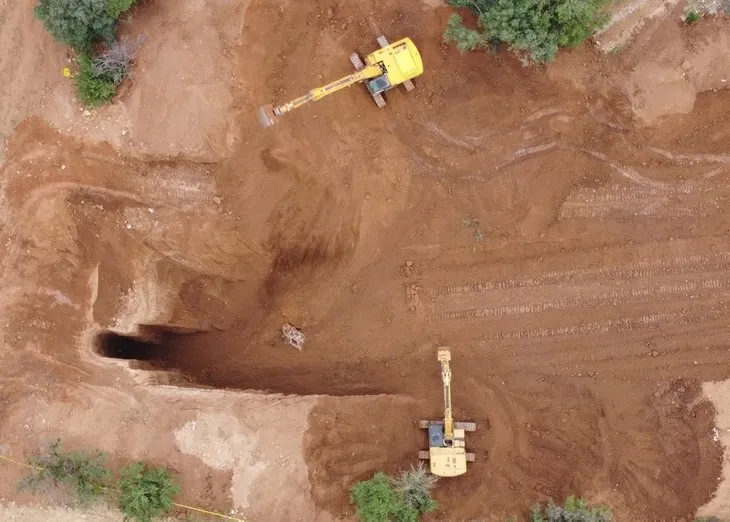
[116, 346]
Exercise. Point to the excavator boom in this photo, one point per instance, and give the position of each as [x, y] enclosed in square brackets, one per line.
[267, 113]
[444, 357]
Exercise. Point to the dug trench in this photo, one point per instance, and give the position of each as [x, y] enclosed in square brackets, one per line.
[582, 319]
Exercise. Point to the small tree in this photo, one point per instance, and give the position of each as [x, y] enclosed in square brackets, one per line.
[145, 492]
[573, 510]
[83, 472]
[415, 486]
[534, 29]
[77, 23]
[377, 501]
[93, 89]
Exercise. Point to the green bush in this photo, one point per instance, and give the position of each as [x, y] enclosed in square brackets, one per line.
[692, 17]
[78, 23]
[534, 29]
[93, 89]
[377, 501]
[145, 492]
[414, 486]
[84, 473]
[118, 7]
[572, 510]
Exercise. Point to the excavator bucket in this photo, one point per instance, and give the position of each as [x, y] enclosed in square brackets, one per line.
[266, 115]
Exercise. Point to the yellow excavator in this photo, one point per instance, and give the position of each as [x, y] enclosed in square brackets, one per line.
[391, 65]
[447, 445]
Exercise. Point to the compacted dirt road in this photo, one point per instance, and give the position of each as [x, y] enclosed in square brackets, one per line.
[563, 230]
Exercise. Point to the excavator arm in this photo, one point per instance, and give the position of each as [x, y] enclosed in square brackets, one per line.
[444, 357]
[268, 113]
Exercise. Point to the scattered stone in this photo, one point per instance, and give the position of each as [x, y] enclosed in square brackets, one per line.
[217, 200]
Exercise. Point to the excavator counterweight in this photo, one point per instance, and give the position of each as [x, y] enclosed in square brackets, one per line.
[446, 439]
[391, 65]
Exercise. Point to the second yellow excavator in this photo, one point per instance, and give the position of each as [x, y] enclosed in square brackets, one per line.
[391, 65]
[446, 439]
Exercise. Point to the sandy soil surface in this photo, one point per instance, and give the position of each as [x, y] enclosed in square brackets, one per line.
[562, 229]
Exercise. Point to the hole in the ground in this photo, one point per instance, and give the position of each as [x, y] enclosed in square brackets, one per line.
[110, 344]
[199, 360]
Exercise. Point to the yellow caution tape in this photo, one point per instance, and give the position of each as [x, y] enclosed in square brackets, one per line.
[221, 515]
[192, 508]
[19, 463]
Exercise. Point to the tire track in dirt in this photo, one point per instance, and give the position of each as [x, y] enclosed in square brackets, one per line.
[639, 295]
[715, 262]
[684, 200]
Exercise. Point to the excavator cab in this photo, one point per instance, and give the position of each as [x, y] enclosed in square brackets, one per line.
[447, 453]
[378, 85]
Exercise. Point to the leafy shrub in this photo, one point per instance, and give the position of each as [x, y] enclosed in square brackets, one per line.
[534, 29]
[692, 17]
[414, 486]
[377, 501]
[573, 510]
[84, 473]
[145, 492]
[118, 7]
[77, 23]
[93, 89]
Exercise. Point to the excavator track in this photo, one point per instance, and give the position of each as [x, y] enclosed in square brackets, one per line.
[358, 64]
